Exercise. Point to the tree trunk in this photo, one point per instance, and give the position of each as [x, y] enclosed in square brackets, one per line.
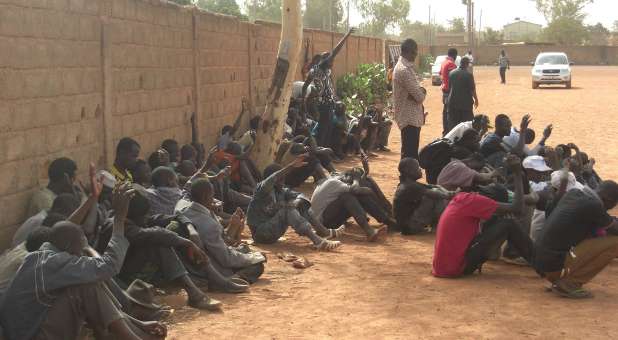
[270, 132]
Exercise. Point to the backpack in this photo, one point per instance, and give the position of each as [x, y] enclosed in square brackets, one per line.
[436, 154]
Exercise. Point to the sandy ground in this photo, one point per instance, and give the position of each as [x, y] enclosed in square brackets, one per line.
[385, 290]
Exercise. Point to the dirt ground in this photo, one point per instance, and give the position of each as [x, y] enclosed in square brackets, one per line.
[386, 291]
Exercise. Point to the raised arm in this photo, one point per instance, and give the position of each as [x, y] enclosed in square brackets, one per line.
[243, 109]
[339, 46]
[519, 148]
[514, 164]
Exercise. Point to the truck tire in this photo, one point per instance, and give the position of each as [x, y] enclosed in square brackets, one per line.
[568, 84]
[535, 85]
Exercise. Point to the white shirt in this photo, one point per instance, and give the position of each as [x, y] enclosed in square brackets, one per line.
[326, 193]
[458, 131]
[512, 139]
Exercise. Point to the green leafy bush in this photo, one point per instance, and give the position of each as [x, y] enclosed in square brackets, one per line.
[425, 63]
[363, 88]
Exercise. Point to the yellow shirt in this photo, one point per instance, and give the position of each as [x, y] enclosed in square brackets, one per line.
[120, 175]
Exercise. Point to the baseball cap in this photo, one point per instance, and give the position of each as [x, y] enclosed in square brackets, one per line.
[536, 163]
[571, 184]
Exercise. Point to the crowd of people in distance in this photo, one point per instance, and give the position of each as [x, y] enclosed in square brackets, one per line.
[95, 254]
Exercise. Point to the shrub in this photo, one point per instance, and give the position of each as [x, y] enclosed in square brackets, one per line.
[363, 88]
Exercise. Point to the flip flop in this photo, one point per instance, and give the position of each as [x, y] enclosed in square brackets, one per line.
[287, 257]
[327, 245]
[380, 233]
[577, 293]
[302, 263]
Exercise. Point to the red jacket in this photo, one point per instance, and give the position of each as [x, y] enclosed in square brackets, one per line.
[447, 66]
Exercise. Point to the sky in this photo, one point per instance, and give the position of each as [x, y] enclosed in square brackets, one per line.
[497, 13]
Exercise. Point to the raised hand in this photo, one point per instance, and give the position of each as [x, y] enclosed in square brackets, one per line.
[96, 184]
[121, 197]
[525, 122]
[547, 131]
[300, 161]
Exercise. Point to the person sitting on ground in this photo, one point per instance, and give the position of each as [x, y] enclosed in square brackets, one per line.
[159, 158]
[151, 256]
[142, 173]
[573, 247]
[461, 247]
[338, 198]
[61, 173]
[467, 145]
[289, 150]
[358, 132]
[243, 171]
[11, 259]
[512, 139]
[228, 260]
[57, 289]
[172, 148]
[493, 147]
[189, 153]
[185, 170]
[274, 208]
[165, 192]
[466, 174]
[64, 204]
[417, 205]
[480, 123]
[340, 130]
[127, 153]
[384, 125]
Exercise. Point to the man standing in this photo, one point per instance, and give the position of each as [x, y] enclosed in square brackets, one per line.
[447, 66]
[408, 100]
[319, 89]
[504, 63]
[462, 95]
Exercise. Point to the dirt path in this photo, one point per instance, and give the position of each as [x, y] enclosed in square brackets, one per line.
[385, 290]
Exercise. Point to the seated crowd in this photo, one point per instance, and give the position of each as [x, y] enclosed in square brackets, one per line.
[95, 254]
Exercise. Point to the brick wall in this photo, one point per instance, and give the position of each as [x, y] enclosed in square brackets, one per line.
[78, 75]
[524, 54]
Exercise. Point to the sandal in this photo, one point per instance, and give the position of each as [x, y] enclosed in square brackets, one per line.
[571, 293]
[335, 233]
[327, 245]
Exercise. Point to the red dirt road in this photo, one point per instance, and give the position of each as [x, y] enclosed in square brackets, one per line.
[385, 290]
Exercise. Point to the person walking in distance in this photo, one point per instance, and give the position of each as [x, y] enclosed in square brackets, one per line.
[408, 100]
[462, 95]
[447, 66]
[505, 64]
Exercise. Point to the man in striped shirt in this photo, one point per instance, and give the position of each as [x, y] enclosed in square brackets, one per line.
[408, 98]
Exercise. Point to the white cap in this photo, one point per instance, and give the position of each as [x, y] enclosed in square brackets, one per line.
[536, 163]
[571, 184]
[107, 179]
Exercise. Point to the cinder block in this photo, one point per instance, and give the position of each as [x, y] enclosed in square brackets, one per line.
[15, 146]
[12, 22]
[55, 138]
[35, 139]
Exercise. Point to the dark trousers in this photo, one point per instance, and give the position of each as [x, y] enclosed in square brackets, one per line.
[410, 136]
[492, 236]
[456, 116]
[297, 176]
[350, 205]
[445, 128]
[325, 124]
[91, 303]
[503, 75]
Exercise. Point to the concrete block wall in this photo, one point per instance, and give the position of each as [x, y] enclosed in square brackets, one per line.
[524, 54]
[78, 75]
[50, 96]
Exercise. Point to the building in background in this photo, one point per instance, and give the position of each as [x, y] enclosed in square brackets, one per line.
[449, 38]
[521, 31]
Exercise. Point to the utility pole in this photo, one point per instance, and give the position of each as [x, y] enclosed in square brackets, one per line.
[330, 15]
[480, 27]
[347, 20]
[429, 28]
[470, 10]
